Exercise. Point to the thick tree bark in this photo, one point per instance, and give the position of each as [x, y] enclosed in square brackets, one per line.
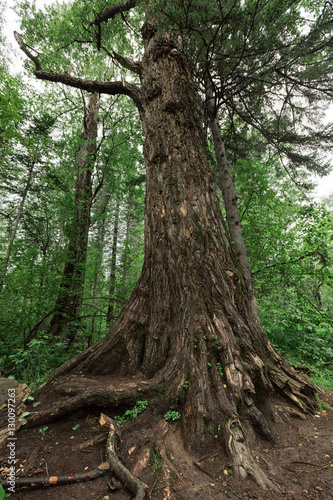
[230, 197]
[64, 322]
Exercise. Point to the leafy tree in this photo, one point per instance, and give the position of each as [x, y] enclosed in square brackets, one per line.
[72, 286]
[288, 239]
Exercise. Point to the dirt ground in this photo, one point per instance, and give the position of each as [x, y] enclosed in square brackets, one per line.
[300, 463]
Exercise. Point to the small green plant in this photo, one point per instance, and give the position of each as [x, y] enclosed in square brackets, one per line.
[218, 432]
[156, 461]
[139, 407]
[220, 370]
[158, 488]
[2, 493]
[42, 430]
[323, 406]
[172, 415]
[76, 427]
[185, 385]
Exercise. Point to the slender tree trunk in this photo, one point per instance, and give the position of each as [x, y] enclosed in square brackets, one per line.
[14, 231]
[99, 248]
[125, 259]
[230, 197]
[65, 321]
[111, 306]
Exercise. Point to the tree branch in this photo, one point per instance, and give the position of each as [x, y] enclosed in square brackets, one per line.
[111, 12]
[25, 48]
[128, 63]
[302, 257]
[110, 88]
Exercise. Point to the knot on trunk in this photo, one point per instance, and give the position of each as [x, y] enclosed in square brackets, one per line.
[147, 31]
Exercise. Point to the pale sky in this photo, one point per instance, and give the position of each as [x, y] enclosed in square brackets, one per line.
[324, 185]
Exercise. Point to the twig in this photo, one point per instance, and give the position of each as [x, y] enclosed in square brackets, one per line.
[197, 464]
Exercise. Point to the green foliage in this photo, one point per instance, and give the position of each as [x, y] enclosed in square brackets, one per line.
[2, 493]
[33, 363]
[220, 369]
[42, 430]
[172, 415]
[289, 242]
[156, 461]
[139, 407]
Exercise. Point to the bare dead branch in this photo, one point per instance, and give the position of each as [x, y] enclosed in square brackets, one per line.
[128, 63]
[112, 11]
[38, 482]
[110, 88]
[25, 48]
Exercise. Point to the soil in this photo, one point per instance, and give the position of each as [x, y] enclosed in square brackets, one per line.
[300, 463]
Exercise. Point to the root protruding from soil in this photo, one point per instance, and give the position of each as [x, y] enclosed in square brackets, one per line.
[134, 485]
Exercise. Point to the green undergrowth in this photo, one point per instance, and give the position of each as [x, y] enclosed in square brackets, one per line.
[132, 414]
[36, 361]
[310, 347]
[300, 342]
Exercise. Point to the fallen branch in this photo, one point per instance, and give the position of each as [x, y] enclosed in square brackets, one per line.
[136, 487]
[202, 469]
[92, 442]
[80, 477]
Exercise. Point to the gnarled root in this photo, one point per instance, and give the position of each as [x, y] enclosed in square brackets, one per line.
[82, 393]
[244, 464]
[136, 487]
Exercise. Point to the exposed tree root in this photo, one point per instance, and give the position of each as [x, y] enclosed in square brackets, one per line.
[233, 403]
[244, 464]
[38, 482]
[136, 487]
[81, 392]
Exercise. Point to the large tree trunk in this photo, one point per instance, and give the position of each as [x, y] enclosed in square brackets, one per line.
[65, 320]
[187, 332]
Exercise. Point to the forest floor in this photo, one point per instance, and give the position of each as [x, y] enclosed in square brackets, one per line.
[300, 463]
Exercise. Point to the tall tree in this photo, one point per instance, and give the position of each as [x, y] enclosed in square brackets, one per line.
[112, 286]
[64, 322]
[34, 141]
[188, 322]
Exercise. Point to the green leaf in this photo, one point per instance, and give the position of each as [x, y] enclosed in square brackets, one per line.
[25, 414]
[2, 493]
[76, 427]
